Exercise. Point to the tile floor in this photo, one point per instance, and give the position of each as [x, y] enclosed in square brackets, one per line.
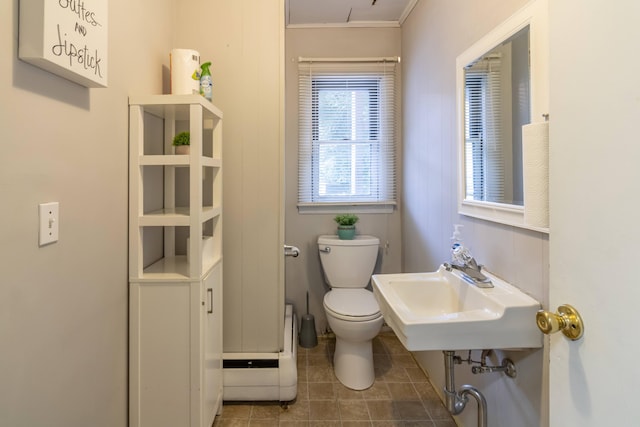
[400, 396]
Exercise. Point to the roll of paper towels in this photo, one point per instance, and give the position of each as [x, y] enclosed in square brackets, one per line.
[184, 62]
[535, 162]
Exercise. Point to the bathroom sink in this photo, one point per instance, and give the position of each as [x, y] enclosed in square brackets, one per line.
[441, 310]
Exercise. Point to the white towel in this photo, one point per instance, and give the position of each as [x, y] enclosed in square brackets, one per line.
[535, 162]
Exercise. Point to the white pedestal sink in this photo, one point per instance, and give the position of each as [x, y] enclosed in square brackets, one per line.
[441, 311]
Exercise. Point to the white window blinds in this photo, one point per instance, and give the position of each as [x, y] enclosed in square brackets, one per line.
[346, 133]
[483, 131]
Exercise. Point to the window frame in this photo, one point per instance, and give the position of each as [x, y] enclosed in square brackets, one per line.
[384, 199]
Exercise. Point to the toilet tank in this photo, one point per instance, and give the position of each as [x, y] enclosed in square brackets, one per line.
[348, 263]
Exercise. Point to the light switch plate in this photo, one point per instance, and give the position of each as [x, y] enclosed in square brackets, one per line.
[49, 220]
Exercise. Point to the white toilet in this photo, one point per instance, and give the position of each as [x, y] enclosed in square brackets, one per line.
[352, 311]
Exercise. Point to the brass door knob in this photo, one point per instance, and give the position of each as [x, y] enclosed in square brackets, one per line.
[567, 320]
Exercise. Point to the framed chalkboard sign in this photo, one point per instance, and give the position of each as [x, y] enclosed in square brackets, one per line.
[66, 37]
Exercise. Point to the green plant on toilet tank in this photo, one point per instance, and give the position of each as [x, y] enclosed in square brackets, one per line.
[346, 226]
[182, 141]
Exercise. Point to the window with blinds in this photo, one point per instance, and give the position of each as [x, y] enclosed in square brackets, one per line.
[346, 134]
[485, 173]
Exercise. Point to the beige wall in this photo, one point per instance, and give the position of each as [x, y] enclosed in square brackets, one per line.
[244, 41]
[433, 36]
[302, 230]
[63, 307]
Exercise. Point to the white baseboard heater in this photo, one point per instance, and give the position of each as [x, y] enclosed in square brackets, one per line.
[264, 376]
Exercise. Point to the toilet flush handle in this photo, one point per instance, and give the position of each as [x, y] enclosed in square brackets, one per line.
[326, 249]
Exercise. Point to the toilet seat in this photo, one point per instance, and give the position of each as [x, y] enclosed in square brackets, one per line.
[352, 304]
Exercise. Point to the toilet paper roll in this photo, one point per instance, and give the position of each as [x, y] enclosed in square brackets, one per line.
[535, 162]
[184, 62]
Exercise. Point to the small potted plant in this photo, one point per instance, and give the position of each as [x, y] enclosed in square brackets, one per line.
[181, 141]
[346, 226]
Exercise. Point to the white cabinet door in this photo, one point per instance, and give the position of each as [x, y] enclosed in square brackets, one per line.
[212, 354]
[160, 352]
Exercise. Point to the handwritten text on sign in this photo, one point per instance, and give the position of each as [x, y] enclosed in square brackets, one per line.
[80, 55]
[73, 40]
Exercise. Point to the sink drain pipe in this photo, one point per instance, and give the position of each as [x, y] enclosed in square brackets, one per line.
[456, 401]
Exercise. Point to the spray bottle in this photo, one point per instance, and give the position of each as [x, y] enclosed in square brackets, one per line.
[205, 81]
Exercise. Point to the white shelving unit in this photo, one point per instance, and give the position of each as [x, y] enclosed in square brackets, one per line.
[175, 281]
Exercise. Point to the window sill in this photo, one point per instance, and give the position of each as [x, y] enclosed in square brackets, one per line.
[346, 207]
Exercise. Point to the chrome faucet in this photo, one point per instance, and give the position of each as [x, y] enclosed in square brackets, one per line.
[467, 265]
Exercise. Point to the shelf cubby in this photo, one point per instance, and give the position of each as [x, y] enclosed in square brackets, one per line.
[169, 190]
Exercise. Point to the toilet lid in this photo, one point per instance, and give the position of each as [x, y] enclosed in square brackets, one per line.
[351, 302]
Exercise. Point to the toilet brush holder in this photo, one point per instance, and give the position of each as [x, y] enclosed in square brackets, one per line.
[307, 336]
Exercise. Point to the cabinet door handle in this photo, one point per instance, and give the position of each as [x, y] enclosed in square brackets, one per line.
[210, 292]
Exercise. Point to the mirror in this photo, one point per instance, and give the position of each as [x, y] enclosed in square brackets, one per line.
[496, 106]
[502, 85]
